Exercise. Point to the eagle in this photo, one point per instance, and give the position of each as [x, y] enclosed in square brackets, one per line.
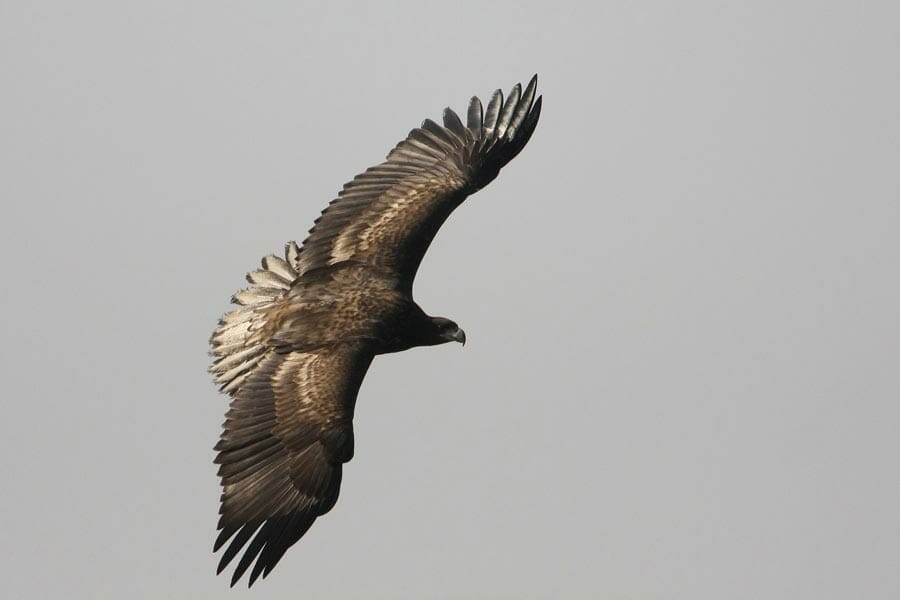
[293, 354]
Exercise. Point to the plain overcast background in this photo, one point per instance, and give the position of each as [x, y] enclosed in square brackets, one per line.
[682, 376]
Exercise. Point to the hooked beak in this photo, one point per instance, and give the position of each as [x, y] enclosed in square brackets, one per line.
[460, 336]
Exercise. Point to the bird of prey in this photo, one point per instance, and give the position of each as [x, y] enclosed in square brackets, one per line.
[293, 354]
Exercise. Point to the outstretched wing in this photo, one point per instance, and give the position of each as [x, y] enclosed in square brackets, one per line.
[387, 216]
[289, 428]
[287, 434]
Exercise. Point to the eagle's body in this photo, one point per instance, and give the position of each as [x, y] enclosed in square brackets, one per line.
[295, 353]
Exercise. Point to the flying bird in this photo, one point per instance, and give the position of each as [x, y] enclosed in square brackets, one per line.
[292, 356]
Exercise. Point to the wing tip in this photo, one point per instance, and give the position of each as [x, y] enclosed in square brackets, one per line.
[271, 539]
[503, 117]
[500, 120]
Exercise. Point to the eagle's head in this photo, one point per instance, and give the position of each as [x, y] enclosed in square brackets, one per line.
[445, 330]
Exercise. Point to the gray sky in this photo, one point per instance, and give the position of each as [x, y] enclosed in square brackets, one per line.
[682, 374]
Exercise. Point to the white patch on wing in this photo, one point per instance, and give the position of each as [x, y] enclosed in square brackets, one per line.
[301, 368]
[353, 240]
[304, 376]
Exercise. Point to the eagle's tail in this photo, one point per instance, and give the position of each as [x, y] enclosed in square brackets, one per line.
[237, 343]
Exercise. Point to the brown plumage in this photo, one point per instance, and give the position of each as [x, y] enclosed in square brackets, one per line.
[293, 356]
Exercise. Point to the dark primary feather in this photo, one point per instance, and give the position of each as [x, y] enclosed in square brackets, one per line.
[293, 354]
